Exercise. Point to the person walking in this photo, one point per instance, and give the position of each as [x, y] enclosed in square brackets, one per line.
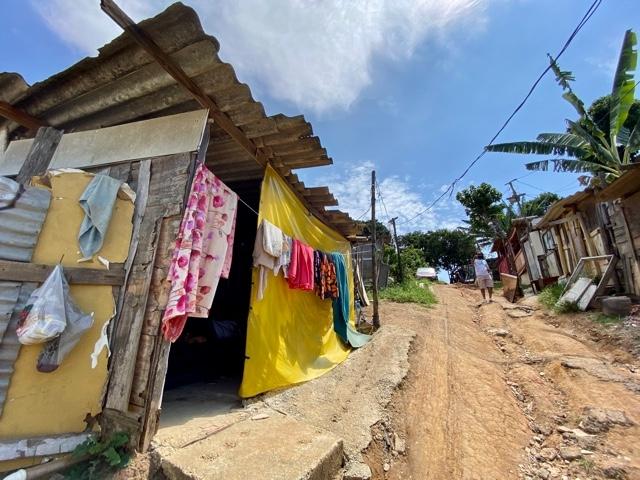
[483, 276]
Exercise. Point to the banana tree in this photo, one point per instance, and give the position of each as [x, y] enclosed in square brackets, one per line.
[585, 147]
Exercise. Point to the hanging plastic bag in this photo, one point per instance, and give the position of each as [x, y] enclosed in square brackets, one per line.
[78, 322]
[43, 317]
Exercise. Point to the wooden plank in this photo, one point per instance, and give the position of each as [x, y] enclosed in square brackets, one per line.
[129, 324]
[41, 446]
[142, 196]
[172, 172]
[35, 272]
[23, 118]
[166, 62]
[40, 154]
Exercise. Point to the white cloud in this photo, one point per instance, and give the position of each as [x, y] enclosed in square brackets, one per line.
[315, 54]
[352, 188]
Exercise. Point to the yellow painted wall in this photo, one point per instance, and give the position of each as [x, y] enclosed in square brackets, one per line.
[57, 402]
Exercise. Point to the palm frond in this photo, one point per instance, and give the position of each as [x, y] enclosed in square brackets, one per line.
[623, 91]
[565, 143]
[602, 151]
[563, 77]
[633, 144]
[569, 165]
[547, 144]
[578, 104]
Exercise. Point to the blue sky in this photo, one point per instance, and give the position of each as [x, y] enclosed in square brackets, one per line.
[414, 89]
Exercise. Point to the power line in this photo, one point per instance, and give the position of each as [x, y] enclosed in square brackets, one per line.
[586, 17]
[382, 200]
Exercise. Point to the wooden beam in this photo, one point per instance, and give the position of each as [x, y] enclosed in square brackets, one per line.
[167, 63]
[40, 154]
[23, 118]
[35, 272]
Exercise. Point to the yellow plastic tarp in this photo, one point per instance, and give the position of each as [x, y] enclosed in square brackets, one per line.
[290, 337]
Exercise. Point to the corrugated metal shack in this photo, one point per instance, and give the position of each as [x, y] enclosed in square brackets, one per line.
[129, 82]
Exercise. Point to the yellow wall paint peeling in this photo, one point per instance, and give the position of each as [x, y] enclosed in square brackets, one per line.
[53, 403]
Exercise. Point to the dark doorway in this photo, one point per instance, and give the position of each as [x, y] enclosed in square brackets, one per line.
[206, 362]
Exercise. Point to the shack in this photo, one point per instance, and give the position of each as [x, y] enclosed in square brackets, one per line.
[155, 107]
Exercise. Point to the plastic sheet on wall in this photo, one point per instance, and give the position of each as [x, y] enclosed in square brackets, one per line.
[290, 336]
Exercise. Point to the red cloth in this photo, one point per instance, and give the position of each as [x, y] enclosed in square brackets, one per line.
[503, 266]
[301, 266]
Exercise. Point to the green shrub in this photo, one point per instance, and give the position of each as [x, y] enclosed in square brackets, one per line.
[105, 457]
[566, 307]
[409, 292]
[550, 295]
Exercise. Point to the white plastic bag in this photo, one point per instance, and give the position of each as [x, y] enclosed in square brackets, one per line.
[43, 317]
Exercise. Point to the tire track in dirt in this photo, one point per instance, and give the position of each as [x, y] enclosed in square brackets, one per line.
[461, 419]
[495, 393]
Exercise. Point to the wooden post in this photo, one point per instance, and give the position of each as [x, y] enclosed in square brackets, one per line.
[374, 252]
[395, 238]
[40, 154]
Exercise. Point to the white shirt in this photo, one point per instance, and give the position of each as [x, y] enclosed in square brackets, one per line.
[482, 267]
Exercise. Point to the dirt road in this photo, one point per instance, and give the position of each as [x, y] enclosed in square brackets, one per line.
[497, 392]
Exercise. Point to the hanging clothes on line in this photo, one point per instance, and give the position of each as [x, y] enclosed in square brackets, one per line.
[342, 306]
[267, 251]
[285, 258]
[203, 251]
[301, 266]
[326, 284]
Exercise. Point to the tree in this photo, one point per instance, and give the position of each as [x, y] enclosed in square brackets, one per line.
[483, 205]
[382, 232]
[412, 259]
[586, 147]
[538, 206]
[599, 112]
[445, 249]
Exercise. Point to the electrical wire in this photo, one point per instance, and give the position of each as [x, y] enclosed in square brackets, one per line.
[585, 18]
[382, 202]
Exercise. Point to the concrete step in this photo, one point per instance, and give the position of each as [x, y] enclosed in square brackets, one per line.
[273, 448]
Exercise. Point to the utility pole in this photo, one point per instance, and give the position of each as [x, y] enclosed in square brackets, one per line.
[374, 252]
[515, 196]
[395, 239]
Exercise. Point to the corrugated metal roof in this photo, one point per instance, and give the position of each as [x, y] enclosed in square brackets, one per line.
[123, 83]
[558, 209]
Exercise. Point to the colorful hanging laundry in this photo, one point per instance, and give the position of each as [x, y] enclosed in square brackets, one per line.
[301, 266]
[203, 251]
[325, 281]
[285, 258]
[265, 249]
[342, 307]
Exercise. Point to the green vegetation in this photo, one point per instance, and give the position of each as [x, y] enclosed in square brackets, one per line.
[106, 456]
[566, 307]
[409, 291]
[606, 319]
[491, 217]
[550, 296]
[590, 145]
[443, 249]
